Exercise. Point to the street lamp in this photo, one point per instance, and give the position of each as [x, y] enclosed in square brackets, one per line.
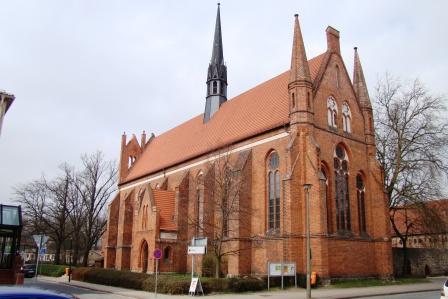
[307, 188]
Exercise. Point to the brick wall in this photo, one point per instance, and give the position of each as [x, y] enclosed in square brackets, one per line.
[422, 261]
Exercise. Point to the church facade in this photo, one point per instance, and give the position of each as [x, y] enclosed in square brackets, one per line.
[309, 125]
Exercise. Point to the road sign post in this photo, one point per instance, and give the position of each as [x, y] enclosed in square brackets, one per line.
[157, 254]
[40, 241]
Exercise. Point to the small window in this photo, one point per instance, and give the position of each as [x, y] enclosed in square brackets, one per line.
[215, 87]
[346, 118]
[338, 78]
[332, 110]
[167, 255]
[293, 100]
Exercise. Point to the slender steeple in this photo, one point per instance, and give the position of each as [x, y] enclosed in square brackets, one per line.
[300, 85]
[300, 70]
[359, 83]
[216, 75]
[360, 87]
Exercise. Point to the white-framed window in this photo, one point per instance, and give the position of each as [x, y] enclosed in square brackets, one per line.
[346, 118]
[332, 109]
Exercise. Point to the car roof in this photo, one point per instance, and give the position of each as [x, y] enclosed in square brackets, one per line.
[26, 292]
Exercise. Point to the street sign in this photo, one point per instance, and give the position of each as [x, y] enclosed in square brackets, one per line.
[40, 240]
[42, 250]
[196, 249]
[199, 241]
[157, 254]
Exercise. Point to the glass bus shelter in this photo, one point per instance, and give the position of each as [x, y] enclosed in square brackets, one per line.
[10, 231]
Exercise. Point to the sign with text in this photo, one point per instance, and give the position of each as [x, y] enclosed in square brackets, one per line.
[196, 249]
[195, 286]
[275, 269]
[199, 241]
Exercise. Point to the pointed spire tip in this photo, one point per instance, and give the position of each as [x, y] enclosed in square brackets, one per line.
[219, 4]
[296, 15]
[356, 48]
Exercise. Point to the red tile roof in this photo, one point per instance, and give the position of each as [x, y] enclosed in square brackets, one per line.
[255, 111]
[165, 203]
[413, 214]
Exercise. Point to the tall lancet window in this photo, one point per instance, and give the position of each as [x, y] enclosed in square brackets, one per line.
[215, 87]
[346, 118]
[343, 222]
[361, 191]
[273, 193]
[199, 204]
[332, 110]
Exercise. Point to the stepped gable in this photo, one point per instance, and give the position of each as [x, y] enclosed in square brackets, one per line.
[255, 111]
[165, 201]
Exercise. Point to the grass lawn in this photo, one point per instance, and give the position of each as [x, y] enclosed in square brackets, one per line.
[361, 283]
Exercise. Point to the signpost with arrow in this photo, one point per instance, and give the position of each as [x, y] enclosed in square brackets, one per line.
[40, 240]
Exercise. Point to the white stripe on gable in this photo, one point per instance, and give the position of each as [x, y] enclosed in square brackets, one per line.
[207, 160]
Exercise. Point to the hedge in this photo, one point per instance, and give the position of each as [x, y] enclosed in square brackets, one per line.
[167, 283]
[52, 270]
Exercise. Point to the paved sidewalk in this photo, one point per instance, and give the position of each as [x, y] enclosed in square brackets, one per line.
[292, 293]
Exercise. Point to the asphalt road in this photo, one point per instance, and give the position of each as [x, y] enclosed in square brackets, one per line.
[83, 293]
[69, 290]
[419, 295]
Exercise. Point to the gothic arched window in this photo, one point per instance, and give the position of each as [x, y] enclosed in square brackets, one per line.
[273, 193]
[199, 203]
[332, 110]
[346, 118]
[343, 222]
[361, 191]
[215, 87]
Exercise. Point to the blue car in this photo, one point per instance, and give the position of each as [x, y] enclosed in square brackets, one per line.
[30, 293]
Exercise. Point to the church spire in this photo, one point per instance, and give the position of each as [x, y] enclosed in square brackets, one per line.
[217, 54]
[300, 85]
[299, 64]
[360, 87]
[216, 75]
[359, 83]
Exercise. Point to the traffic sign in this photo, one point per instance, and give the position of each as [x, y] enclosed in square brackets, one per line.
[157, 254]
[40, 240]
[196, 249]
[42, 250]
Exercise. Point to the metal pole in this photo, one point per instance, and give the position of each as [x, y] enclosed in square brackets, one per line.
[307, 188]
[281, 272]
[192, 266]
[38, 252]
[157, 270]
[70, 262]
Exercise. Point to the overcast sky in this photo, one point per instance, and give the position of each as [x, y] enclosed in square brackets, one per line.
[83, 72]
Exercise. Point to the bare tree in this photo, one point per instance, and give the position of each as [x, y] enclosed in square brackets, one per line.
[46, 205]
[226, 220]
[95, 184]
[77, 220]
[411, 138]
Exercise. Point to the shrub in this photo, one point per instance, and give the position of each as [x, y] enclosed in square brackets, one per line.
[208, 265]
[245, 284]
[125, 279]
[167, 283]
[52, 270]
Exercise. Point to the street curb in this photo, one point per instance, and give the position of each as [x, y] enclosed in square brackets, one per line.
[100, 291]
[388, 294]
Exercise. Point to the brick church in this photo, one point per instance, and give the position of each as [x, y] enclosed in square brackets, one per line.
[309, 125]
